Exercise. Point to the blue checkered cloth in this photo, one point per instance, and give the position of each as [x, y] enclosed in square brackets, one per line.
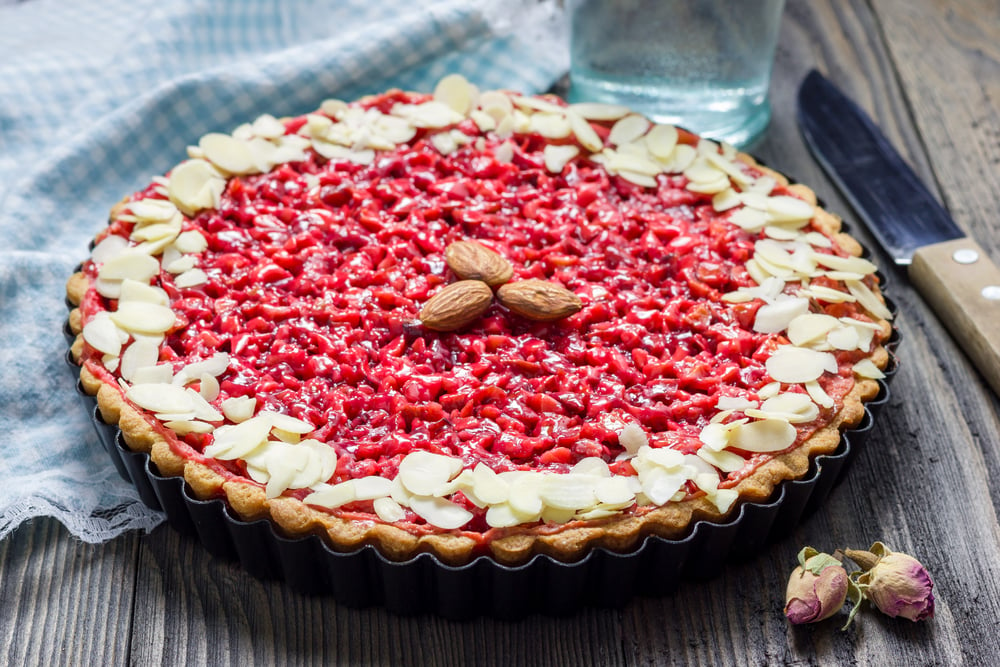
[99, 96]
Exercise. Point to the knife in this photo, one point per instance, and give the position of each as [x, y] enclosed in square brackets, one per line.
[949, 270]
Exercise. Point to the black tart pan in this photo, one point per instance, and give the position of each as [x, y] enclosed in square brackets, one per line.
[484, 587]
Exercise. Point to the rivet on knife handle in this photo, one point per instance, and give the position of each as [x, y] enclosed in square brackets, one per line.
[962, 285]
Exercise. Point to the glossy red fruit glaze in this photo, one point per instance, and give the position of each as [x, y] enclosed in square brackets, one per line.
[317, 272]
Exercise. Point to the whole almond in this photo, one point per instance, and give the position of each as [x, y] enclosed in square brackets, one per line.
[474, 261]
[457, 305]
[539, 299]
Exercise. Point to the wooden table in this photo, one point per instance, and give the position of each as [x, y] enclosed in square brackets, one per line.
[929, 72]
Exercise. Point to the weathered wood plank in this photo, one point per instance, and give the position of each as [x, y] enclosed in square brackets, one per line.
[62, 601]
[953, 90]
[194, 609]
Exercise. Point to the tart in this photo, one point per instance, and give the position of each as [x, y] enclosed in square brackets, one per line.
[477, 323]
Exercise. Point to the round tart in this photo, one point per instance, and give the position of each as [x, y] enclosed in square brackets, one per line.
[477, 323]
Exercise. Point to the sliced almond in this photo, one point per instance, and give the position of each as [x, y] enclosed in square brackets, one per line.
[585, 134]
[160, 398]
[828, 294]
[191, 278]
[557, 156]
[734, 403]
[502, 515]
[788, 209]
[153, 210]
[662, 457]
[440, 512]
[599, 111]
[191, 241]
[818, 394]
[370, 488]
[287, 423]
[388, 510]
[489, 487]
[140, 354]
[109, 247]
[660, 485]
[680, 159]
[637, 178]
[133, 290]
[573, 492]
[102, 334]
[868, 299]
[628, 129]
[235, 442]
[632, 437]
[130, 265]
[209, 387]
[844, 338]
[550, 125]
[723, 460]
[776, 317]
[238, 409]
[661, 140]
[142, 317]
[749, 219]
[434, 115]
[811, 327]
[614, 491]
[866, 368]
[794, 365]
[185, 426]
[768, 435]
[456, 92]
[158, 374]
[227, 153]
[794, 408]
[725, 200]
[195, 185]
[621, 161]
[524, 497]
[846, 264]
[332, 495]
[422, 472]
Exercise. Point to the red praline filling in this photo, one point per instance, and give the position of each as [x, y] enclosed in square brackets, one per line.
[317, 271]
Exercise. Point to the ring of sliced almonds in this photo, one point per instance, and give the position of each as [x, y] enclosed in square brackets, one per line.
[276, 448]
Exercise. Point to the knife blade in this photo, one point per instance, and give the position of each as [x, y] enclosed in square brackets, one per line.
[949, 270]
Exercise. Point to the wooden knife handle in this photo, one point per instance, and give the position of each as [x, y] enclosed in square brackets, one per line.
[962, 285]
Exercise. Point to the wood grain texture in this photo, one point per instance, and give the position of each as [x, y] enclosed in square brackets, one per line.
[63, 602]
[929, 73]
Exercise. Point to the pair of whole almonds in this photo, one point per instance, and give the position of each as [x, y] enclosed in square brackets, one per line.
[480, 270]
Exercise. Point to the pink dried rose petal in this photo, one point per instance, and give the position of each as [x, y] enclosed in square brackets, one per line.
[896, 583]
[817, 588]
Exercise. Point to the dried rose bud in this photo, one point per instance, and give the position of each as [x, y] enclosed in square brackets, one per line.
[817, 588]
[897, 584]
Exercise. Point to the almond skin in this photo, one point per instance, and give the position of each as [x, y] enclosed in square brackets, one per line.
[474, 261]
[539, 299]
[457, 305]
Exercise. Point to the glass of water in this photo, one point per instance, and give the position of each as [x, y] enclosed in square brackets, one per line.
[704, 65]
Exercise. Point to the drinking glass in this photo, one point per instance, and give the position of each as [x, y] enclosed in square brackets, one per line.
[704, 65]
